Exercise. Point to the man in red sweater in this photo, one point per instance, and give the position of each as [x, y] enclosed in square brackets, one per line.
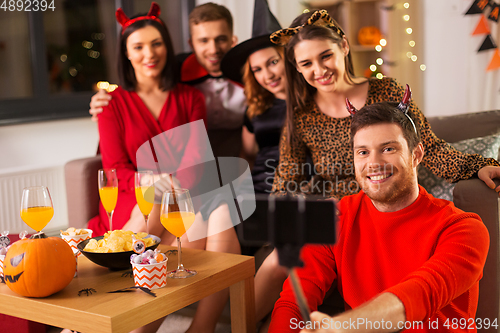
[404, 260]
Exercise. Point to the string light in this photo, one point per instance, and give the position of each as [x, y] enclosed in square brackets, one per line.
[373, 68]
[87, 44]
[380, 61]
[383, 42]
[378, 48]
[411, 43]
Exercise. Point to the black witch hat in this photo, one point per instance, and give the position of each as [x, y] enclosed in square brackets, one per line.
[264, 24]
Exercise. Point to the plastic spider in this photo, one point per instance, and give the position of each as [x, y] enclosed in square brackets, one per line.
[128, 274]
[87, 291]
[169, 252]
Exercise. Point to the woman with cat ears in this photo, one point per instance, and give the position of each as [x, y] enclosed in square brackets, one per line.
[320, 77]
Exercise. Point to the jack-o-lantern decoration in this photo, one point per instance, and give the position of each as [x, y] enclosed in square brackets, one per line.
[39, 266]
[369, 36]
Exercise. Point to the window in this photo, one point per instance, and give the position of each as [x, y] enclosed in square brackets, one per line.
[50, 61]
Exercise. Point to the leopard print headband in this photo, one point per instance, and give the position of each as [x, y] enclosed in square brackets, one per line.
[319, 18]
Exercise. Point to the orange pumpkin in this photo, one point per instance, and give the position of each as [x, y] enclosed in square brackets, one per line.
[369, 36]
[39, 266]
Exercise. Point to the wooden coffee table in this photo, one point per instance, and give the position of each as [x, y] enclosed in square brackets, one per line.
[122, 312]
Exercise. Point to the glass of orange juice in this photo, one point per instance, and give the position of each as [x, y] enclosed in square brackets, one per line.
[177, 216]
[36, 207]
[108, 192]
[145, 193]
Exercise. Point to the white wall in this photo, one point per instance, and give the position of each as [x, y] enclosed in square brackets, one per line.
[46, 144]
[456, 80]
[27, 150]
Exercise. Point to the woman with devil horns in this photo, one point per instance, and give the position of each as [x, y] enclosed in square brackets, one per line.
[148, 102]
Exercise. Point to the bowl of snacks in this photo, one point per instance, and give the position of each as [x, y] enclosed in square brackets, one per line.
[114, 249]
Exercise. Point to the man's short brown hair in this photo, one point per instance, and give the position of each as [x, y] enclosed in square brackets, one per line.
[209, 12]
[388, 113]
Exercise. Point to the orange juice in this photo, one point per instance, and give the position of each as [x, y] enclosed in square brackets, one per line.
[177, 222]
[37, 217]
[109, 196]
[145, 196]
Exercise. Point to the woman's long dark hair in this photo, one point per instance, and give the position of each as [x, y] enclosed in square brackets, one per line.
[126, 72]
[299, 92]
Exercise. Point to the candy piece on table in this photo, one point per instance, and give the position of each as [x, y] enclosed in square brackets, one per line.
[147, 258]
[137, 260]
[23, 234]
[4, 239]
[138, 245]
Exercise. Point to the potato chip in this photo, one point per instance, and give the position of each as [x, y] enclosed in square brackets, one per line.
[117, 241]
[74, 232]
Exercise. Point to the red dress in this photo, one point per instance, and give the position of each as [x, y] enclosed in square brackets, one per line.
[429, 254]
[125, 125]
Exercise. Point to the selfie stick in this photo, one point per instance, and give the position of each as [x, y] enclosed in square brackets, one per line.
[289, 254]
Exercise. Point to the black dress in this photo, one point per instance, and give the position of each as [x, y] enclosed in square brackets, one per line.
[267, 129]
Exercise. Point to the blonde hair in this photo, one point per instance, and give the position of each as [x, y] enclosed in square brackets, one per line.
[258, 98]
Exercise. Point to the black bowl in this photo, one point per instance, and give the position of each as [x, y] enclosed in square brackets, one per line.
[114, 260]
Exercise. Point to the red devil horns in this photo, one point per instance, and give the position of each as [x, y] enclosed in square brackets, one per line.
[405, 102]
[154, 10]
[153, 14]
[121, 17]
[352, 110]
[403, 105]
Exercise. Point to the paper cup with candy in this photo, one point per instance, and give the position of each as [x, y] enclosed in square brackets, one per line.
[74, 236]
[4, 246]
[150, 269]
[2, 257]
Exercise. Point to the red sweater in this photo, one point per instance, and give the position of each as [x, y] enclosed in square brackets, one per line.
[429, 254]
[125, 125]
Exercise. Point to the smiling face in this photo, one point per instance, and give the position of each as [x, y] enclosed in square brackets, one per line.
[210, 41]
[269, 70]
[147, 53]
[321, 62]
[385, 167]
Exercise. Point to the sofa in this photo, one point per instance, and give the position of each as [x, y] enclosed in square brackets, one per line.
[470, 195]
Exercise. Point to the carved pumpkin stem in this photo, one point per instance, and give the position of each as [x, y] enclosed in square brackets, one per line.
[38, 235]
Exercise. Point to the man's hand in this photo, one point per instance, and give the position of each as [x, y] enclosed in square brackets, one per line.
[100, 99]
[487, 173]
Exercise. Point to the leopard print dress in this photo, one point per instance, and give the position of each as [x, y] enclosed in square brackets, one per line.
[328, 141]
